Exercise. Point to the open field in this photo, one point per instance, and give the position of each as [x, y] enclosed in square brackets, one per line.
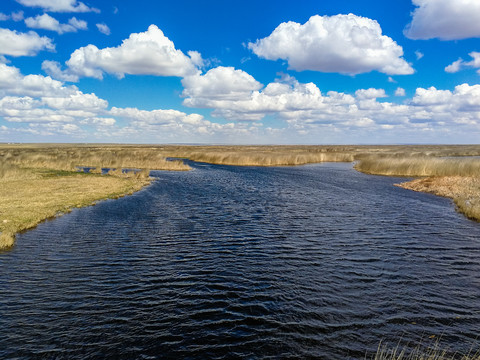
[40, 180]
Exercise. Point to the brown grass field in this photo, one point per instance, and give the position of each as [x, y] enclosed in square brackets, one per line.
[38, 181]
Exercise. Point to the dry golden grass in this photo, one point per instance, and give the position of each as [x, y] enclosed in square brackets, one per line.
[419, 166]
[26, 202]
[298, 155]
[39, 181]
[464, 190]
[68, 158]
[457, 178]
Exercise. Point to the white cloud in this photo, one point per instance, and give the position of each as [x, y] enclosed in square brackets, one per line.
[455, 66]
[58, 5]
[53, 69]
[460, 64]
[39, 99]
[155, 117]
[306, 110]
[13, 82]
[419, 54]
[17, 16]
[15, 43]
[220, 83]
[47, 22]
[4, 17]
[347, 44]
[78, 24]
[104, 29]
[444, 19]
[371, 93]
[147, 53]
[49, 108]
[400, 92]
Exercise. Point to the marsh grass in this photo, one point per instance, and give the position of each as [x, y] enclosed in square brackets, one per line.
[436, 352]
[419, 166]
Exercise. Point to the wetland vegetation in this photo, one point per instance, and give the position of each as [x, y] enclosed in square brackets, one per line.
[39, 181]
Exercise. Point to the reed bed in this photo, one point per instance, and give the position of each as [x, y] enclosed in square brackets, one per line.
[71, 158]
[419, 166]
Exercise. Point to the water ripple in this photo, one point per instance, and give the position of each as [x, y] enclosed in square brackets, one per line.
[225, 262]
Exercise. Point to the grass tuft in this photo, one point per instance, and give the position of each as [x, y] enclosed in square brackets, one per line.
[419, 353]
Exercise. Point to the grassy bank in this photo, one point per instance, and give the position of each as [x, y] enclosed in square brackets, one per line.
[463, 190]
[454, 178]
[28, 201]
[38, 182]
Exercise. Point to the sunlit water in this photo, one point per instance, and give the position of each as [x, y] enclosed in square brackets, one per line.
[314, 261]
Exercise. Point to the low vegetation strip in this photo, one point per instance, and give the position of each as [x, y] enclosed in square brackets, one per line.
[26, 202]
[414, 166]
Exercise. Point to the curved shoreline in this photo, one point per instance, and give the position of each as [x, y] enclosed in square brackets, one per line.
[27, 203]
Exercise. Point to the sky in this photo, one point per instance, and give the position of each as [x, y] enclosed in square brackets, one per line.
[240, 72]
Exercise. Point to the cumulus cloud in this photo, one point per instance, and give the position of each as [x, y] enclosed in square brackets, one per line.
[4, 17]
[58, 5]
[400, 92]
[220, 83]
[53, 69]
[39, 99]
[46, 22]
[15, 43]
[47, 107]
[455, 66]
[371, 93]
[346, 44]
[460, 64]
[17, 16]
[103, 28]
[444, 19]
[305, 109]
[147, 53]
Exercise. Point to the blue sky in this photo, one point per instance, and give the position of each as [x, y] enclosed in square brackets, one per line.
[269, 72]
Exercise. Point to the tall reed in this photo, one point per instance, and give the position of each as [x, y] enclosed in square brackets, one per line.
[419, 166]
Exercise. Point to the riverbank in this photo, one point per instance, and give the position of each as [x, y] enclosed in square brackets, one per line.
[456, 178]
[41, 181]
[24, 203]
[463, 190]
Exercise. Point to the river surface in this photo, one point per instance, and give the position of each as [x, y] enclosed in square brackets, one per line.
[221, 262]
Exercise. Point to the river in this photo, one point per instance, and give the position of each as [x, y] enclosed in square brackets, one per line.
[222, 262]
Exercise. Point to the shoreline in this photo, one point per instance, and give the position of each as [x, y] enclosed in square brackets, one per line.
[27, 203]
[462, 190]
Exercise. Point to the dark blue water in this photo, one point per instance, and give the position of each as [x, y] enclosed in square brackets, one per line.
[225, 262]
